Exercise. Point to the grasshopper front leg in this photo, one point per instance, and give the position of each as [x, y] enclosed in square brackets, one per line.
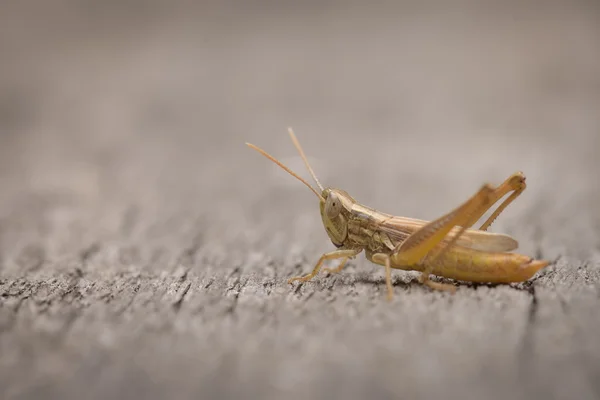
[327, 256]
[339, 268]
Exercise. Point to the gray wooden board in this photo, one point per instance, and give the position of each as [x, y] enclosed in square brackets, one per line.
[144, 250]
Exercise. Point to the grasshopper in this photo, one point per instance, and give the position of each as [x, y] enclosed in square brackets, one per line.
[447, 247]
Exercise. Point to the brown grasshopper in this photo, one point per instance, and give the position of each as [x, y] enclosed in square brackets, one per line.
[447, 247]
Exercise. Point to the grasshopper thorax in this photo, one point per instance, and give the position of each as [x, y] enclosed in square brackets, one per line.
[336, 208]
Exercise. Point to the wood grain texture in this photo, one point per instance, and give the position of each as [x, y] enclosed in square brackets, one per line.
[144, 250]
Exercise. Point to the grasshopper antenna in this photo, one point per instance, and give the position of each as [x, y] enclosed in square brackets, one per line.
[289, 171]
[297, 144]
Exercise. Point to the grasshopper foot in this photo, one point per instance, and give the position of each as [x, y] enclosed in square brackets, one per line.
[445, 287]
[304, 278]
[517, 181]
[390, 296]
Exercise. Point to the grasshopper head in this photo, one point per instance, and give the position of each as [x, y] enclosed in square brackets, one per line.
[336, 207]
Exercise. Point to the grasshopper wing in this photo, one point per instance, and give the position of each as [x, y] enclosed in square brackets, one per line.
[399, 228]
[486, 241]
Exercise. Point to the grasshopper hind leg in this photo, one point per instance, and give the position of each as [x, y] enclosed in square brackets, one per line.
[421, 248]
[515, 184]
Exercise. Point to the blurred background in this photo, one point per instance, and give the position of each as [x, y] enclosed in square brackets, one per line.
[122, 126]
[144, 106]
[148, 104]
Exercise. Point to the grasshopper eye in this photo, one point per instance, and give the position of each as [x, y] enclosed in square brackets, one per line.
[333, 206]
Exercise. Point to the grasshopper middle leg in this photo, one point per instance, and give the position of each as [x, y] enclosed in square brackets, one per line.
[384, 259]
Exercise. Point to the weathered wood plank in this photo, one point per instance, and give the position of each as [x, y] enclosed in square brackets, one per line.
[144, 251]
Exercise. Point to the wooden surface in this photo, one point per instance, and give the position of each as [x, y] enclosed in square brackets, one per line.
[144, 250]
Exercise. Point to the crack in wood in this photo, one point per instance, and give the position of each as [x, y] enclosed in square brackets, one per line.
[177, 304]
[89, 252]
[526, 348]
